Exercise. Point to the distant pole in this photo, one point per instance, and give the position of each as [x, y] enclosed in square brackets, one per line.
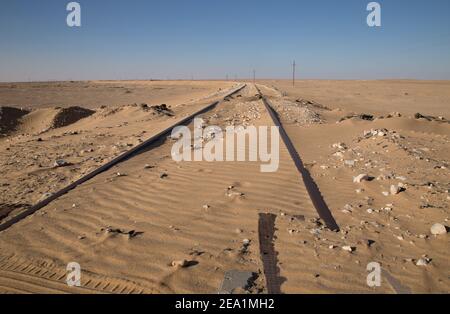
[254, 76]
[293, 73]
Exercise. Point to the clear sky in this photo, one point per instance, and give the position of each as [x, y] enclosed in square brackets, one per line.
[143, 39]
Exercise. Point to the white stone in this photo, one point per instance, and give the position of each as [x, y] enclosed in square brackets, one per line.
[349, 163]
[438, 229]
[348, 248]
[181, 263]
[395, 189]
[423, 262]
[360, 178]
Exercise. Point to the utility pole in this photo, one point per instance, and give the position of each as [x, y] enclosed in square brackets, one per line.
[254, 76]
[293, 73]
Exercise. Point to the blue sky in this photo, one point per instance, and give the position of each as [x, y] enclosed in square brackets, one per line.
[143, 39]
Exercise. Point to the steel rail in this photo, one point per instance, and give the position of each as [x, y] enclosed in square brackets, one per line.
[313, 191]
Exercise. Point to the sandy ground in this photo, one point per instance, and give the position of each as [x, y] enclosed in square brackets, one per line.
[94, 94]
[412, 152]
[126, 230]
[375, 97]
[81, 137]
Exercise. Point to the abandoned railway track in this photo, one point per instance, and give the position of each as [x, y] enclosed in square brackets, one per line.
[266, 222]
[312, 188]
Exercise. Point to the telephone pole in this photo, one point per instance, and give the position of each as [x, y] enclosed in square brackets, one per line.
[293, 73]
[254, 76]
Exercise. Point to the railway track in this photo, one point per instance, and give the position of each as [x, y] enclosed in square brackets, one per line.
[5, 225]
[265, 225]
[313, 191]
[267, 221]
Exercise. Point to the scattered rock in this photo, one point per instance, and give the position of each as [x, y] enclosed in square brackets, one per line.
[131, 234]
[347, 209]
[369, 243]
[360, 178]
[182, 263]
[430, 118]
[395, 189]
[161, 109]
[61, 163]
[349, 248]
[315, 231]
[340, 146]
[423, 261]
[350, 163]
[438, 229]
[366, 117]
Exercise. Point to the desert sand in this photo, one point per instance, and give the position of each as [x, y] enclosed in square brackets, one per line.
[152, 225]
